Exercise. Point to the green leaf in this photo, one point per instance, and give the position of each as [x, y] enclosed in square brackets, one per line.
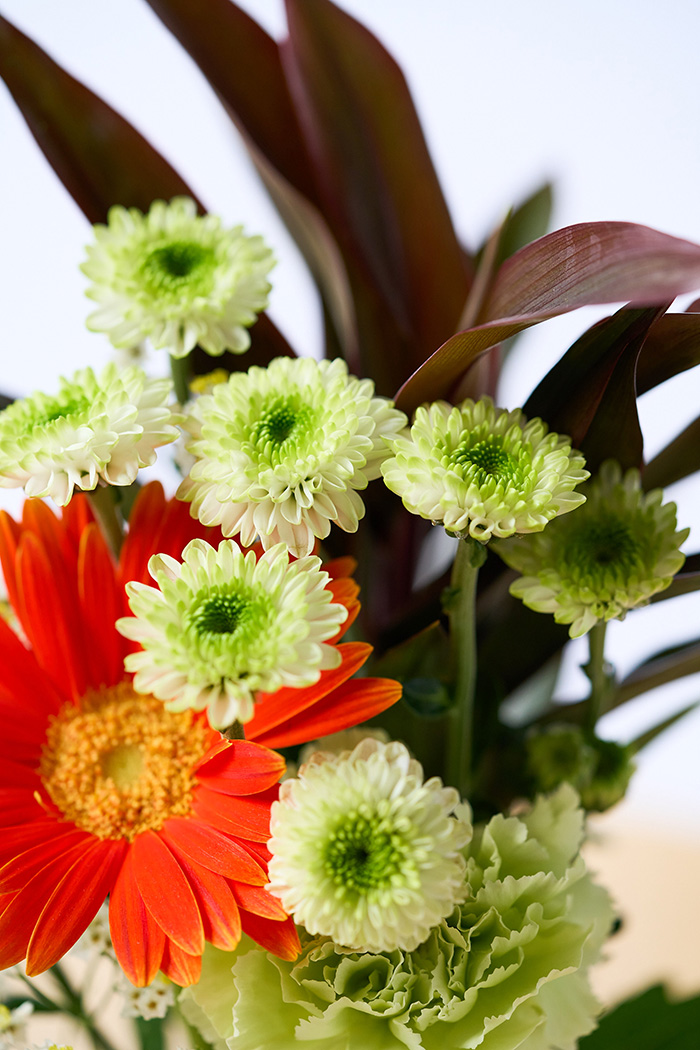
[590, 392]
[525, 223]
[589, 263]
[651, 734]
[649, 1022]
[150, 1033]
[666, 666]
[676, 461]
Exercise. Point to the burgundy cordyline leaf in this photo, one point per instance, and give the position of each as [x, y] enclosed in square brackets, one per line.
[378, 185]
[100, 158]
[580, 265]
[676, 461]
[671, 346]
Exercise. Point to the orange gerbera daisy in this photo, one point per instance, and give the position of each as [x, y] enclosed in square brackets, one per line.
[104, 792]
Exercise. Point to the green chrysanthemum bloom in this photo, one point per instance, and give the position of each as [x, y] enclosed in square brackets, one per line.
[95, 428]
[176, 278]
[600, 770]
[612, 555]
[223, 625]
[508, 968]
[484, 471]
[281, 452]
[364, 851]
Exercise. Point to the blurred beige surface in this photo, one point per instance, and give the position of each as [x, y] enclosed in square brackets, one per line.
[653, 876]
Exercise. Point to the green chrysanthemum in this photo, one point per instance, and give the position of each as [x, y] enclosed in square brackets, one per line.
[223, 625]
[281, 452]
[508, 968]
[176, 278]
[364, 851]
[600, 770]
[612, 555]
[483, 471]
[95, 428]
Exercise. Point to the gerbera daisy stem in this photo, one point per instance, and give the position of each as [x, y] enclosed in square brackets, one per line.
[181, 373]
[234, 732]
[461, 608]
[598, 674]
[107, 516]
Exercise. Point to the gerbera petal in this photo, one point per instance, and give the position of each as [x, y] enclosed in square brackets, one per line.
[14, 774]
[101, 604]
[349, 705]
[280, 938]
[166, 892]
[244, 768]
[24, 866]
[66, 914]
[181, 967]
[23, 681]
[258, 901]
[137, 938]
[211, 849]
[273, 709]
[15, 840]
[18, 806]
[50, 617]
[217, 904]
[247, 817]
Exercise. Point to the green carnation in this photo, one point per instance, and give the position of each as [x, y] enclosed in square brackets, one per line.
[508, 968]
[482, 471]
[176, 278]
[612, 555]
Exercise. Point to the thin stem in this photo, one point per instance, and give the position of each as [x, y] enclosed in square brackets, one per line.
[39, 996]
[108, 517]
[598, 674]
[461, 612]
[236, 731]
[180, 371]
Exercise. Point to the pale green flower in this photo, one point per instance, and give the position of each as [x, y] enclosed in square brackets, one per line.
[364, 851]
[484, 471]
[222, 626]
[153, 1000]
[13, 1023]
[610, 556]
[176, 278]
[282, 451]
[96, 428]
[600, 770]
[507, 969]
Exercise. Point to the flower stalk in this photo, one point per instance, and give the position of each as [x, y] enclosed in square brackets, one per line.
[181, 372]
[471, 554]
[599, 674]
[108, 517]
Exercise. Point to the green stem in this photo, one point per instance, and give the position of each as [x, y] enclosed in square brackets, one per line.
[461, 611]
[180, 371]
[108, 517]
[75, 1008]
[39, 996]
[598, 675]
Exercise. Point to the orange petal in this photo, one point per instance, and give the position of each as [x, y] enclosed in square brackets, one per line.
[101, 604]
[137, 938]
[217, 904]
[247, 817]
[179, 966]
[16, 840]
[244, 768]
[18, 775]
[166, 892]
[74, 903]
[280, 938]
[258, 901]
[25, 683]
[19, 806]
[16, 873]
[349, 705]
[212, 849]
[275, 709]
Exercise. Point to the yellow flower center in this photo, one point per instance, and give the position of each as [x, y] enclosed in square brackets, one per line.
[119, 763]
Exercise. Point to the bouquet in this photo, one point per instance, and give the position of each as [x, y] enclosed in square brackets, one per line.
[281, 746]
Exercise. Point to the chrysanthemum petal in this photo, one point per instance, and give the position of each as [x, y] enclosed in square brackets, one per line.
[211, 849]
[167, 893]
[137, 938]
[65, 916]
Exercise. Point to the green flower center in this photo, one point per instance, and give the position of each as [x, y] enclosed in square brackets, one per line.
[605, 545]
[364, 853]
[221, 614]
[488, 457]
[283, 420]
[170, 267]
[62, 410]
[232, 630]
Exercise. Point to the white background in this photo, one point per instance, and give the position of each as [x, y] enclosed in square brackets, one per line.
[600, 97]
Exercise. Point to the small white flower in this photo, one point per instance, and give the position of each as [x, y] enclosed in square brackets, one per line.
[223, 625]
[94, 429]
[364, 851]
[282, 452]
[97, 939]
[152, 1001]
[13, 1023]
[483, 471]
[176, 278]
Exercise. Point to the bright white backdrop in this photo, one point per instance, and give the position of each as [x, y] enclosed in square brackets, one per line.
[600, 97]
